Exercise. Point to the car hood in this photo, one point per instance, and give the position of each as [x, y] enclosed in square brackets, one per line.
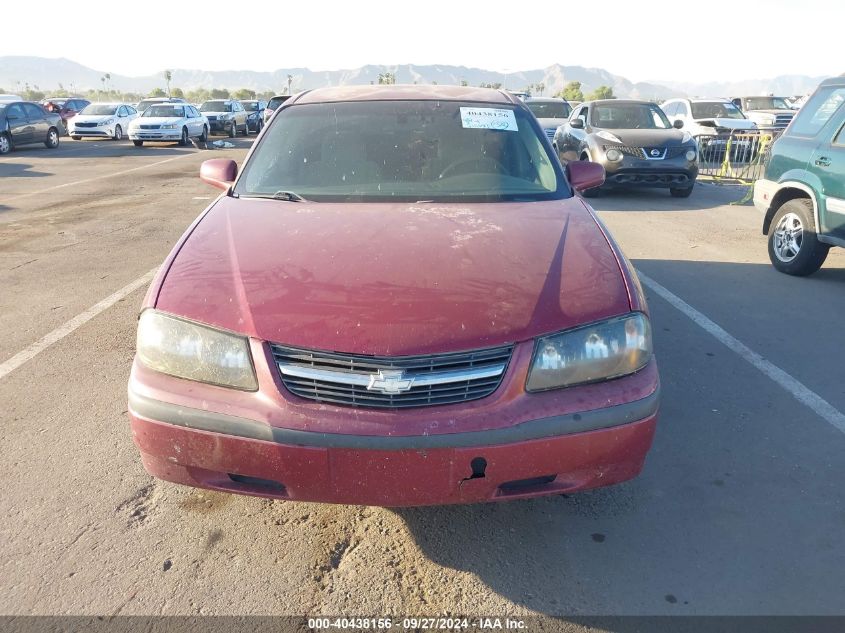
[157, 120]
[734, 124]
[395, 279]
[206, 113]
[93, 118]
[547, 124]
[643, 138]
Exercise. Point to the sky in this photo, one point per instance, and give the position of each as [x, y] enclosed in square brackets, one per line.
[638, 39]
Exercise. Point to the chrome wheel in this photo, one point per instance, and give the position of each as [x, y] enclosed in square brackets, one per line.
[789, 236]
[5, 145]
[52, 138]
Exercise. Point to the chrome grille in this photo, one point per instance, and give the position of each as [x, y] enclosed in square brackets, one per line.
[636, 152]
[150, 127]
[376, 381]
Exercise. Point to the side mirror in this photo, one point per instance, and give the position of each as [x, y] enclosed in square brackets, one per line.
[678, 124]
[219, 172]
[584, 175]
[578, 124]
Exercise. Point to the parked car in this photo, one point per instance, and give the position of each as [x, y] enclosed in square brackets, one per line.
[551, 112]
[102, 120]
[146, 103]
[274, 103]
[25, 122]
[634, 142]
[255, 113]
[802, 193]
[716, 124]
[770, 113]
[169, 122]
[66, 107]
[226, 115]
[399, 300]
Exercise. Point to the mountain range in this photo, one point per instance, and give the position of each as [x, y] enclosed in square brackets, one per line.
[47, 74]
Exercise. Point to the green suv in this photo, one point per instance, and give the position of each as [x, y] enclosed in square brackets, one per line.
[803, 192]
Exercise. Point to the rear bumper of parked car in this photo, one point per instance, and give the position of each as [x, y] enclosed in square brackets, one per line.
[551, 452]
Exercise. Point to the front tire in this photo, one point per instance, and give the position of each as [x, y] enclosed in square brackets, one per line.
[52, 141]
[137, 143]
[5, 143]
[118, 133]
[794, 247]
[76, 138]
[246, 128]
[233, 131]
[204, 135]
[184, 140]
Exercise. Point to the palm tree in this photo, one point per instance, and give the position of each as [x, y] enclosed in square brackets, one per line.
[540, 88]
[290, 79]
[167, 77]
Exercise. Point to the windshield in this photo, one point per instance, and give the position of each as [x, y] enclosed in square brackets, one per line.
[166, 110]
[549, 110]
[250, 106]
[99, 109]
[404, 151]
[629, 116]
[215, 106]
[146, 103]
[715, 110]
[766, 103]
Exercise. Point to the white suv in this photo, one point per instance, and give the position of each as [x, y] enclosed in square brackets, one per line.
[707, 117]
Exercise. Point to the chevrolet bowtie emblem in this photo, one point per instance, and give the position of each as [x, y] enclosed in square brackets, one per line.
[390, 381]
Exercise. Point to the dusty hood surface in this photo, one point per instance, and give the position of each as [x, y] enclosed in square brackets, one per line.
[395, 279]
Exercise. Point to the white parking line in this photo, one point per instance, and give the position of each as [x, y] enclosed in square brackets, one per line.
[63, 330]
[80, 182]
[800, 392]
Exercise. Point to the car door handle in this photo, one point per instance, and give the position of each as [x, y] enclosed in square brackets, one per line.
[823, 161]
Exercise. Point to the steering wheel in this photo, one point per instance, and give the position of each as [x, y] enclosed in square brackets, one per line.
[485, 164]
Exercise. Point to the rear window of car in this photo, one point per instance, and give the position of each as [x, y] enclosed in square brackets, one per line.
[275, 102]
[404, 151]
[817, 111]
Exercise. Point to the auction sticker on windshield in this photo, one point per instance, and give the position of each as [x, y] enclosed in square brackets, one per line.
[489, 119]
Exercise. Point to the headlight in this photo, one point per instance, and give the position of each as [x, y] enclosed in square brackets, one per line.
[107, 122]
[609, 137]
[691, 155]
[686, 138]
[169, 126]
[600, 351]
[613, 155]
[193, 351]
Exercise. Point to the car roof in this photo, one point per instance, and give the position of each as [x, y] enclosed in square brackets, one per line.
[612, 101]
[545, 100]
[400, 92]
[834, 81]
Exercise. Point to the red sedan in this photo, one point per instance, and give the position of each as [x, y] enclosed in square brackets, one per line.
[399, 300]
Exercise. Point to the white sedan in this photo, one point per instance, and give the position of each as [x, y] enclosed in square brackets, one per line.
[102, 120]
[169, 122]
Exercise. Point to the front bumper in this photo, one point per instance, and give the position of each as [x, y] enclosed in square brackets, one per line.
[100, 132]
[155, 135]
[632, 172]
[220, 125]
[558, 444]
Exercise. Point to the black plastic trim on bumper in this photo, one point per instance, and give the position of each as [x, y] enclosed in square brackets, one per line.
[556, 426]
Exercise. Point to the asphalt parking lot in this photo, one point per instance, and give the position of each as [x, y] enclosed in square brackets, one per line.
[740, 509]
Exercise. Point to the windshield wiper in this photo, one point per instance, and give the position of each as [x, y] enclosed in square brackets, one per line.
[288, 196]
